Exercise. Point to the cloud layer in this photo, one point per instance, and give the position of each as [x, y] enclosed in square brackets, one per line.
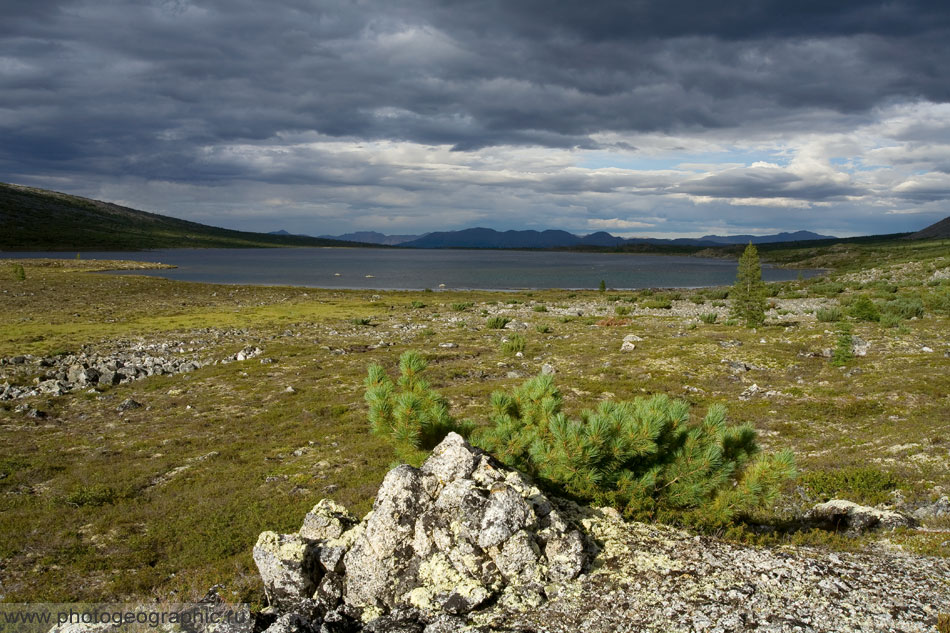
[675, 118]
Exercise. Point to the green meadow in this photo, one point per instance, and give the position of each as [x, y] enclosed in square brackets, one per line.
[166, 500]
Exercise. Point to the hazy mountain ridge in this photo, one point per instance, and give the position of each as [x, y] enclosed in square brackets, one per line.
[374, 237]
[481, 237]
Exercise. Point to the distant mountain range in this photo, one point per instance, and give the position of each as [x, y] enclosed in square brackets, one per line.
[372, 237]
[38, 219]
[490, 238]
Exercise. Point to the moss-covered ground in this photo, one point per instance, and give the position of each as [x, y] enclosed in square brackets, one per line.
[167, 500]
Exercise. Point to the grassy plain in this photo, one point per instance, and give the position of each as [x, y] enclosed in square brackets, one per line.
[167, 500]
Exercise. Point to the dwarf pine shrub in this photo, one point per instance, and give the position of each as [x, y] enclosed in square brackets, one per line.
[514, 344]
[644, 457]
[661, 303]
[863, 309]
[828, 315]
[844, 346]
[497, 322]
[408, 412]
[905, 307]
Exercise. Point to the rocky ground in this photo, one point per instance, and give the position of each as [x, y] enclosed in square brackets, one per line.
[463, 544]
[157, 487]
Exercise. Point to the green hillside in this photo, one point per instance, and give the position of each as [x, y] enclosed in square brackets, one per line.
[40, 220]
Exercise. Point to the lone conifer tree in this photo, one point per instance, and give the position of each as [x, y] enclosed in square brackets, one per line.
[748, 293]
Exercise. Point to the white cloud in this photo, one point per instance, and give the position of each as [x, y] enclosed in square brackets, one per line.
[616, 223]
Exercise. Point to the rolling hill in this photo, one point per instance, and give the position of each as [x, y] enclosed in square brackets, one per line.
[936, 231]
[40, 220]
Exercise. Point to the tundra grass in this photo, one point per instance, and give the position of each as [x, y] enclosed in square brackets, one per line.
[167, 500]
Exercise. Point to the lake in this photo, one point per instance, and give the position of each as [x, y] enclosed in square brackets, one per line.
[413, 269]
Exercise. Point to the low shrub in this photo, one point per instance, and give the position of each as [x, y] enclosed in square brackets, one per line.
[542, 329]
[514, 344]
[409, 412]
[94, 495]
[462, 307]
[905, 308]
[497, 322]
[708, 317]
[826, 289]
[361, 321]
[658, 304]
[716, 293]
[417, 305]
[890, 320]
[622, 310]
[843, 351]
[644, 457]
[829, 315]
[863, 309]
[939, 300]
[861, 484]
[540, 308]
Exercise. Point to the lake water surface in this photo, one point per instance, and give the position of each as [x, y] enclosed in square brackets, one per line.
[414, 269]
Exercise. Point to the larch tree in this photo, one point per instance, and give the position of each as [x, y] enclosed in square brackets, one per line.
[748, 293]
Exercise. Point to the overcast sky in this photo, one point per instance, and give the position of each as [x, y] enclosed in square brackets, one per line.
[672, 118]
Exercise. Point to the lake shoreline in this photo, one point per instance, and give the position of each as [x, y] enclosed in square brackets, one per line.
[422, 269]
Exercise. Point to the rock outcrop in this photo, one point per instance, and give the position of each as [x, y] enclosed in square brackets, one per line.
[446, 538]
[463, 544]
[66, 373]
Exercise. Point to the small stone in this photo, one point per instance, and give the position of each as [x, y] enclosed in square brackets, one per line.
[129, 404]
[859, 347]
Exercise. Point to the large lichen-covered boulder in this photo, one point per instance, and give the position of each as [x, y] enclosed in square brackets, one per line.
[460, 530]
[441, 541]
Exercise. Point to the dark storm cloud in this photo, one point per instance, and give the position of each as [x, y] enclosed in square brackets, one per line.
[765, 183]
[171, 90]
[465, 74]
